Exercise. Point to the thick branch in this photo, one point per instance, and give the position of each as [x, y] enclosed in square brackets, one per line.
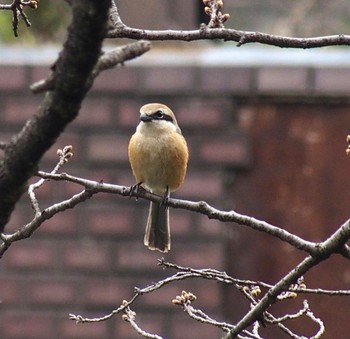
[60, 107]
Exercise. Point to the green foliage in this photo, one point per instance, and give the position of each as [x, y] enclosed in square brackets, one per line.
[48, 21]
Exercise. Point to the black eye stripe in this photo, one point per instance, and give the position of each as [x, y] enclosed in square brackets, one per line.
[159, 115]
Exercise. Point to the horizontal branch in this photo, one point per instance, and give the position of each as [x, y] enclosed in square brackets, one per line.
[223, 277]
[121, 30]
[228, 34]
[199, 207]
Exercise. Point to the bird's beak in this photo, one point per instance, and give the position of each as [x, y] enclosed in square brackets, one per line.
[145, 117]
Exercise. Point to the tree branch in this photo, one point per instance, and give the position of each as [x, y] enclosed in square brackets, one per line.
[326, 248]
[226, 34]
[198, 207]
[107, 61]
[17, 12]
[186, 298]
[72, 73]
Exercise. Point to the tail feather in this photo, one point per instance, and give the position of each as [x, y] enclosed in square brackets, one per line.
[157, 236]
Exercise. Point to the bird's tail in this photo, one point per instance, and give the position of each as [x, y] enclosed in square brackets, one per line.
[157, 236]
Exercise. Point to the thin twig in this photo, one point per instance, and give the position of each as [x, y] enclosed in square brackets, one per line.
[17, 12]
[64, 155]
[130, 317]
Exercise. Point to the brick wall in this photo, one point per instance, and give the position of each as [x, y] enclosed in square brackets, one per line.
[87, 260]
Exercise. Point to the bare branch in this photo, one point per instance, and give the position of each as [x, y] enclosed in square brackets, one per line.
[64, 155]
[199, 207]
[17, 12]
[120, 55]
[241, 37]
[27, 230]
[130, 317]
[223, 277]
[108, 60]
[213, 9]
[59, 107]
[186, 298]
[272, 295]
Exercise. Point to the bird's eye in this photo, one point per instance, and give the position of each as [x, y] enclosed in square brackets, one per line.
[158, 115]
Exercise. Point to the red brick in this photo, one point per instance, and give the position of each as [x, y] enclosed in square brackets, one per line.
[18, 218]
[168, 79]
[101, 174]
[231, 151]
[71, 330]
[108, 148]
[201, 186]
[36, 255]
[31, 325]
[185, 327]
[200, 113]
[12, 77]
[108, 222]
[44, 192]
[67, 189]
[223, 80]
[10, 291]
[200, 255]
[106, 292]
[39, 73]
[153, 324]
[20, 109]
[278, 80]
[180, 221]
[118, 79]
[126, 178]
[212, 227]
[94, 112]
[65, 139]
[136, 256]
[63, 224]
[85, 256]
[50, 292]
[128, 113]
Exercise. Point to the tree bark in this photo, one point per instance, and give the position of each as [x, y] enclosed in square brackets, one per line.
[60, 106]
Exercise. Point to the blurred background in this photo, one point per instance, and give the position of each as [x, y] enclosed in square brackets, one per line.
[267, 132]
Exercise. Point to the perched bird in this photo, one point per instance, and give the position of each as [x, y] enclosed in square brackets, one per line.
[158, 157]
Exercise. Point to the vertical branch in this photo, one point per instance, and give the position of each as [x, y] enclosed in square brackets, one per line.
[72, 73]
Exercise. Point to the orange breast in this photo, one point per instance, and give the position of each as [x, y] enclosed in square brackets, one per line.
[159, 162]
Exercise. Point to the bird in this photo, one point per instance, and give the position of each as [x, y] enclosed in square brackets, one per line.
[158, 156]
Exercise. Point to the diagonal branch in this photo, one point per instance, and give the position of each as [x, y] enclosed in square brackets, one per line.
[106, 61]
[326, 248]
